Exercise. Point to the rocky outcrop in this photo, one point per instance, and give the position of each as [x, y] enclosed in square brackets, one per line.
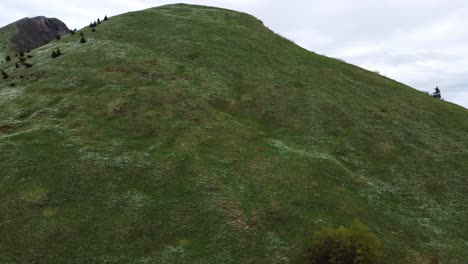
[34, 32]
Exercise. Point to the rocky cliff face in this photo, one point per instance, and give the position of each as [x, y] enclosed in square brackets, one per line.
[35, 32]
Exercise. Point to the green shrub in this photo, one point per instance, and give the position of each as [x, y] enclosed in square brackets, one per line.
[4, 75]
[354, 245]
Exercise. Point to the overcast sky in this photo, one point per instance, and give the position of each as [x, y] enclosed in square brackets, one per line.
[422, 43]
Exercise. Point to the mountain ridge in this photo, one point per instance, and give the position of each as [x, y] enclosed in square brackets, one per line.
[30, 33]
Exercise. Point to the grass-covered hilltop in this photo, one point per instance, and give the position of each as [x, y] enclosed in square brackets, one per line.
[191, 134]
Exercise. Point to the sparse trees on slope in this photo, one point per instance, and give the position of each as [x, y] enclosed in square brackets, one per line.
[82, 40]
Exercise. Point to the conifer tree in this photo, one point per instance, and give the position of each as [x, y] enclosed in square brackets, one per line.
[81, 33]
[94, 30]
[8, 58]
[105, 18]
[5, 75]
[99, 21]
[83, 40]
[54, 54]
[17, 65]
[58, 37]
[58, 52]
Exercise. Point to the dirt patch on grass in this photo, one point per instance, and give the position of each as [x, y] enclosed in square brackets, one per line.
[235, 215]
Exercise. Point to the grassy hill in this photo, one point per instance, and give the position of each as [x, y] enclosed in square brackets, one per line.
[191, 134]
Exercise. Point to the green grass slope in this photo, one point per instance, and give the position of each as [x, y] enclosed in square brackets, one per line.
[5, 34]
[190, 134]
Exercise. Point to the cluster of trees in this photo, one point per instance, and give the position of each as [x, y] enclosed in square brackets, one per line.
[56, 53]
[97, 22]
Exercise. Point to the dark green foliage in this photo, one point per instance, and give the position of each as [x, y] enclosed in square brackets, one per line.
[81, 33]
[7, 58]
[5, 75]
[437, 93]
[21, 54]
[354, 245]
[17, 65]
[94, 30]
[56, 53]
[105, 18]
[58, 37]
[99, 21]
[28, 65]
[72, 32]
[83, 40]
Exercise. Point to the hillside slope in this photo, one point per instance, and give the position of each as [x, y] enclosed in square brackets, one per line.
[191, 134]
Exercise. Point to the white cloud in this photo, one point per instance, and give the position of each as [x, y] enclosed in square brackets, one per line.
[418, 42]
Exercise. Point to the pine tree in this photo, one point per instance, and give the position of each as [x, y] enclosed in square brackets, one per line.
[8, 58]
[21, 54]
[72, 32]
[5, 75]
[83, 40]
[58, 37]
[105, 18]
[54, 54]
[58, 52]
[99, 21]
[81, 33]
[17, 65]
[94, 30]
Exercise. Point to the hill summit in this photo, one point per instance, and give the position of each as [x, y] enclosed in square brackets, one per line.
[193, 134]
